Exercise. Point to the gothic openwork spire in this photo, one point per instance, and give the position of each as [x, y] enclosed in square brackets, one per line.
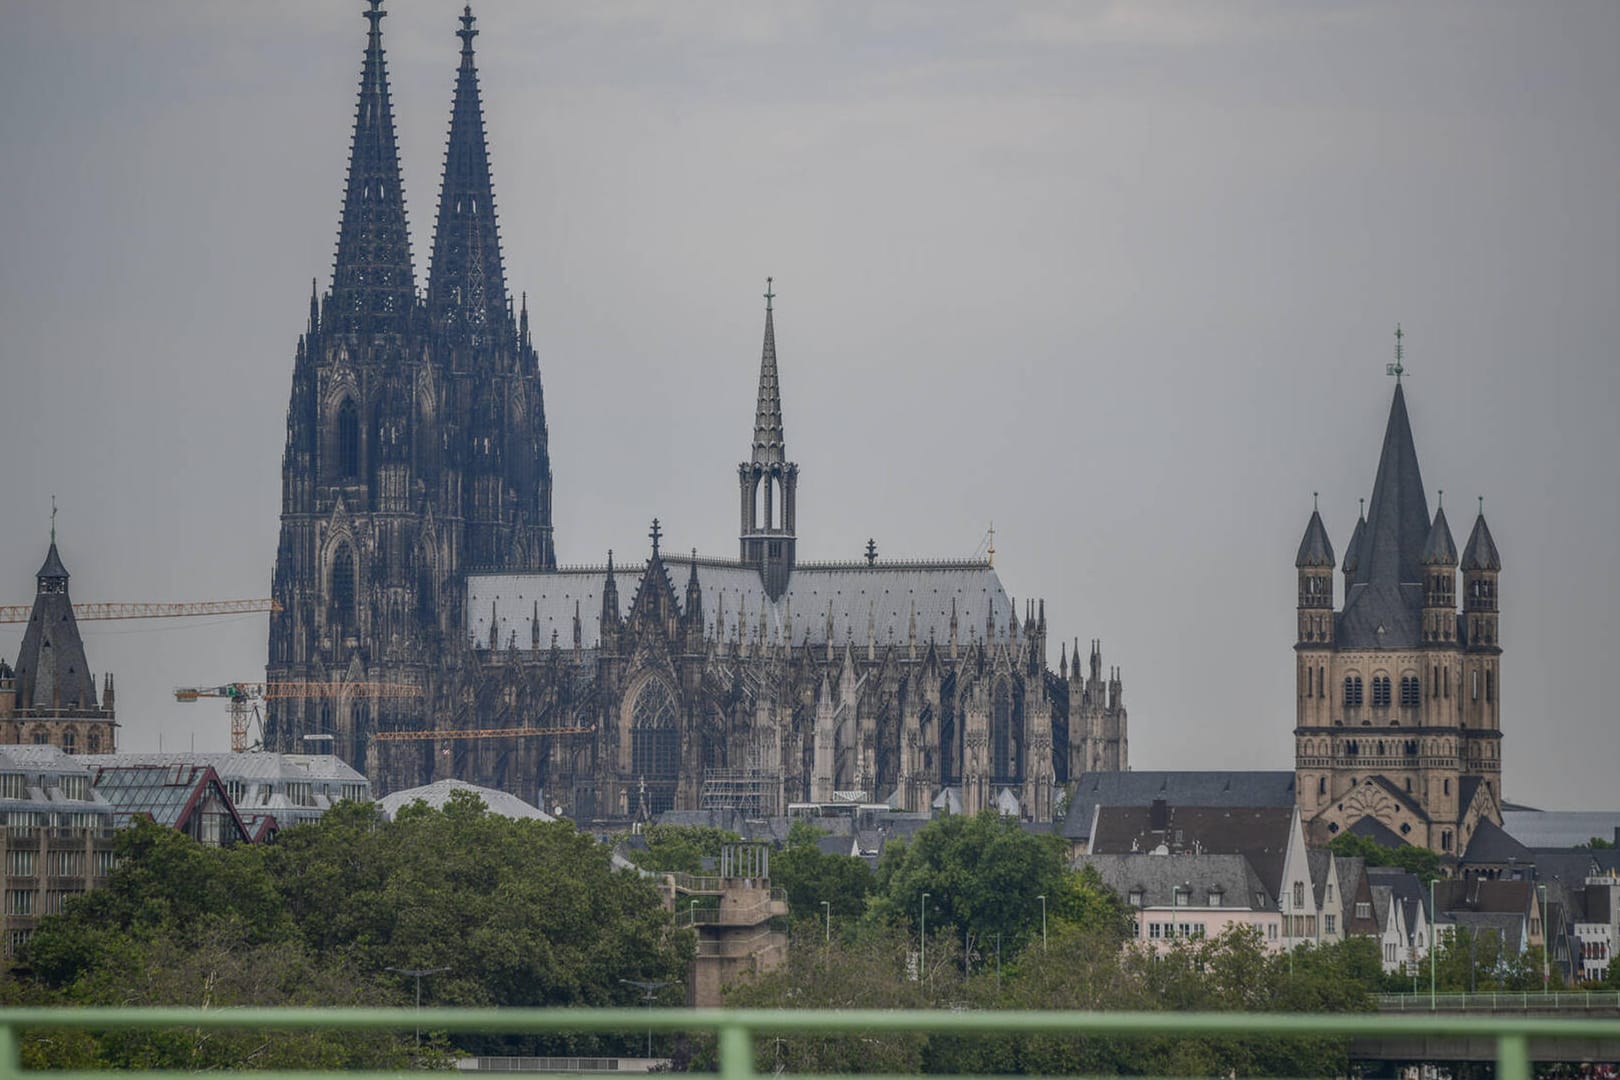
[372, 281]
[466, 283]
[769, 448]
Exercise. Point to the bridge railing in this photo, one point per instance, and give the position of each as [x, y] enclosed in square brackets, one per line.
[736, 1029]
[1510, 1000]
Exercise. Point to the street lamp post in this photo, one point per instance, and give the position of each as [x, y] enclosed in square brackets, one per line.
[827, 907]
[922, 940]
[417, 973]
[1042, 899]
[650, 990]
[1434, 924]
[691, 913]
[1546, 937]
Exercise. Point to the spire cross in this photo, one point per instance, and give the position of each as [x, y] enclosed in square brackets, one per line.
[655, 533]
[375, 15]
[1442, 500]
[1315, 503]
[1482, 506]
[467, 33]
[1363, 504]
[769, 295]
[1397, 369]
[53, 515]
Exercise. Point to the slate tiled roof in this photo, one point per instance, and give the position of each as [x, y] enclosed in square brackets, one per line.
[1259, 833]
[51, 670]
[1480, 553]
[882, 597]
[1378, 832]
[1352, 550]
[1314, 548]
[1509, 926]
[1158, 877]
[1187, 788]
[1481, 894]
[1439, 549]
[1490, 845]
[1384, 600]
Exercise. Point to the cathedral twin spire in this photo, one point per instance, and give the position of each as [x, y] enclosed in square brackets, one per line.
[373, 282]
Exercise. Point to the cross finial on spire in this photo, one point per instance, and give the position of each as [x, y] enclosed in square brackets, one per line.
[1363, 504]
[1397, 369]
[769, 295]
[871, 550]
[1315, 500]
[467, 33]
[53, 515]
[1441, 502]
[656, 533]
[376, 15]
[1482, 506]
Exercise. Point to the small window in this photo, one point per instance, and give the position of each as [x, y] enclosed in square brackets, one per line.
[1321, 785]
[1363, 911]
[1215, 898]
[1135, 899]
[1299, 894]
[1490, 687]
[1447, 784]
[1445, 839]
[1328, 924]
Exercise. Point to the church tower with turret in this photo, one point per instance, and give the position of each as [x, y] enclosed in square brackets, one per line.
[416, 440]
[1397, 734]
[767, 481]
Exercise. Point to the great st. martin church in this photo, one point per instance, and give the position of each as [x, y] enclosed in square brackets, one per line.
[416, 568]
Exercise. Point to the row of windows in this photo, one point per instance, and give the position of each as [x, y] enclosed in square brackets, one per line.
[1171, 931]
[1411, 688]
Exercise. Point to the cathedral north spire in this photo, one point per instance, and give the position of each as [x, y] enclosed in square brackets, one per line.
[373, 284]
[769, 482]
[466, 282]
[769, 443]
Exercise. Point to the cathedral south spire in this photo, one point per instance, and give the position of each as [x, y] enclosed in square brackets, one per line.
[768, 482]
[372, 281]
[466, 283]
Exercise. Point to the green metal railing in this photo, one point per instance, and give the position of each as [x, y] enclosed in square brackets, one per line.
[736, 1028]
[1552, 1001]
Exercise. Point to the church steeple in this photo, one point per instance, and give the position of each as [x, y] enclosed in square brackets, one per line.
[768, 482]
[51, 669]
[466, 282]
[373, 285]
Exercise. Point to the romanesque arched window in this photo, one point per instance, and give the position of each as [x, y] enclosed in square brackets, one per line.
[348, 440]
[1381, 691]
[1003, 738]
[655, 744]
[70, 742]
[1352, 690]
[1411, 695]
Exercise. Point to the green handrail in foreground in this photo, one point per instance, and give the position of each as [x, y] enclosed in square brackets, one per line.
[736, 1028]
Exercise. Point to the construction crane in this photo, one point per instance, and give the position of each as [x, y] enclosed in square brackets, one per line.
[242, 698]
[482, 733]
[19, 613]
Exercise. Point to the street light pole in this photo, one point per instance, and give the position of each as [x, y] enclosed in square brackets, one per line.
[1042, 899]
[1434, 924]
[1546, 937]
[827, 907]
[417, 974]
[650, 989]
[922, 943]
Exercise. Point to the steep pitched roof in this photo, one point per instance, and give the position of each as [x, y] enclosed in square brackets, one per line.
[51, 670]
[1259, 833]
[1314, 548]
[1159, 877]
[1480, 554]
[1352, 550]
[1384, 600]
[1178, 788]
[1438, 547]
[1490, 845]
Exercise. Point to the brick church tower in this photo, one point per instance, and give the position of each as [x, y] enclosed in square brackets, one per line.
[416, 439]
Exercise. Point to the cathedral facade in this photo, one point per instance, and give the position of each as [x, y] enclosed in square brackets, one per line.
[1398, 733]
[417, 576]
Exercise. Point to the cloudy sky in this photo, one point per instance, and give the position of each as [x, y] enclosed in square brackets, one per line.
[1121, 278]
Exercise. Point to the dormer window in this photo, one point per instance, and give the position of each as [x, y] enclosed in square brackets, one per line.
[1215, 897]
[1135, 898]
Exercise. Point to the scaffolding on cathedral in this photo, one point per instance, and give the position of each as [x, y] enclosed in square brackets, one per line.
[751, 792]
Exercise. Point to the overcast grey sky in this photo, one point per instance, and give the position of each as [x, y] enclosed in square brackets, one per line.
[1121, 278]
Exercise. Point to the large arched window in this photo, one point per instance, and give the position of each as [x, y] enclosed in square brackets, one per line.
[1352, 690]
[1410, 693]
[343, 585]
[348, 440]
[1004, 741]
[655, 744]
[1381, 691]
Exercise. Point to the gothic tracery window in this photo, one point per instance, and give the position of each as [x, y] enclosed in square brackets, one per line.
[1003, 737]
[655, 750]
[348, 440]
[343, 585]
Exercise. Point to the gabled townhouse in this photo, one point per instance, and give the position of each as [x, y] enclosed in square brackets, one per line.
[1407, 893]
[1392, 929]
[1356, 901]
[1271, 838]
[1189, 896]
[1329, 890]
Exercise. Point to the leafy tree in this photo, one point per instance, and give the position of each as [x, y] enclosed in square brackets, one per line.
[1416, 860]
[810, 876]
[981, 876]
[680, 848]
[1596, 843]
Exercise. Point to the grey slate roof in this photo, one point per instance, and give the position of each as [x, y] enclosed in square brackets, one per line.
[1179, 788]
[1491, 845]
[51, 670]
[857, 598]
[1439, 549]
[1378, 832]
[1320, 861]
[1509, 926]
[1259, 833]
[1480, 553]
[1352, 550]
[1384, 600]
[1560, 828]
[1158, 877]
[1314, 548]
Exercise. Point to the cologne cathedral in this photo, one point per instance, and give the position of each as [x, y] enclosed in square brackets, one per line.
[416, 572]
